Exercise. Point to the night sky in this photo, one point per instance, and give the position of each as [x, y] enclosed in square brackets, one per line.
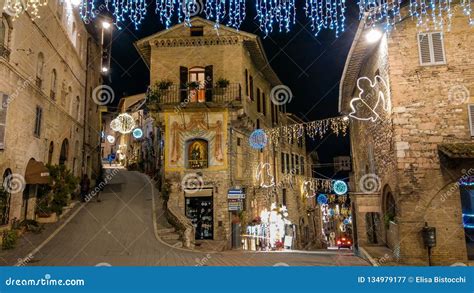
[311, 66]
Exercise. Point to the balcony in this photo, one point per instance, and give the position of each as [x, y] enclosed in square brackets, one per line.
[4, 52]
[186, 96]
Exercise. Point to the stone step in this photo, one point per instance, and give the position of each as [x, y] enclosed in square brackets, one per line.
[166, 230]
[170, 236]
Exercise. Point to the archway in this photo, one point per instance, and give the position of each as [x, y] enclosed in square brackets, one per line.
[5, 197]
[50, 153]
[63, 156]
[390, 213]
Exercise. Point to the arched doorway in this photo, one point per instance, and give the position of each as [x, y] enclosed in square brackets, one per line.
[50, 152]
[5, 197]
[63, 156]
[390, 211]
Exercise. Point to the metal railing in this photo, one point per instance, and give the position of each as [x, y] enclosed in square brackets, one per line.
[176, 95]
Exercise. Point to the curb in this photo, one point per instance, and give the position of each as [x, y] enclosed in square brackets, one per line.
[366, 255]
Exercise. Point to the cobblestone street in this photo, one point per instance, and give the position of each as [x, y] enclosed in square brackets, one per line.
[119, 231]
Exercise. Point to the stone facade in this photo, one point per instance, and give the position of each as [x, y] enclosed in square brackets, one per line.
[224, 123]
[46, 104]
[401, 178]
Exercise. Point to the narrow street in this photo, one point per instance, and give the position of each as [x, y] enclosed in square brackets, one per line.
[119, 231]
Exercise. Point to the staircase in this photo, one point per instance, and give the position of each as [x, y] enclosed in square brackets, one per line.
[170, 236]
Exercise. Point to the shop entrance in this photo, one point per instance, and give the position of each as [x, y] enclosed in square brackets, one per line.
[199, 209]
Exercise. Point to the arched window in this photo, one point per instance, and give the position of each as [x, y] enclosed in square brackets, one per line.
[197, 154]
[63, 156]
[39, 70]
[5, 198]
[4, 33]
[54, 78]
[50, 152]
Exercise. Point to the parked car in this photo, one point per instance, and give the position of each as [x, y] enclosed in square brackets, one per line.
[344, 242]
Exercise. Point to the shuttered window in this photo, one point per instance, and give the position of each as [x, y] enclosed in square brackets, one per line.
[431, 48]
[39, 117]
[3, 119]
[471, 118]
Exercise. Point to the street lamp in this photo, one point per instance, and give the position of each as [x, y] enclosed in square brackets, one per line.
[76, 3]
[105, 24]
[105, 69]
[373, 35]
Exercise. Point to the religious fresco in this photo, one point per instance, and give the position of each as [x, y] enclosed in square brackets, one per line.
[195, 140]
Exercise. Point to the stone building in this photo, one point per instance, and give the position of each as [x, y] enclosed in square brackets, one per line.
[407, 94]
[211, 91]
[48, 114]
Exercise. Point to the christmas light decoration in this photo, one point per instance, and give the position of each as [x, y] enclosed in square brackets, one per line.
[17, 7]
[87, 10]
[137, 133]
[322, 199]
[339, 187]
[124, 123]
[326, 14]
[111, 139]
[293, 132]
[135, 10]
[282, 12]
[260, 177]
[258, 139]
[371, 100]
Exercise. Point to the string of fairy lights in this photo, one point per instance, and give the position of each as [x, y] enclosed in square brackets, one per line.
[270, 14]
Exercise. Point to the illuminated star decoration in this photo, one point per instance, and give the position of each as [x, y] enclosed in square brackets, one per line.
[365, 99]
[135, 10]
[326, 14]
[339, 187]
[281, 11]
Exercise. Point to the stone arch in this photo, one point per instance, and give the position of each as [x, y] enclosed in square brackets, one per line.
[63, 155]
[50, 152]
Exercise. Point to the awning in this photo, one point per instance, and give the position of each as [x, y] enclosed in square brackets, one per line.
[457, 150]
[36, 173]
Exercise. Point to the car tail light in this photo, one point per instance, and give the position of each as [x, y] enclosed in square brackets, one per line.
[343, 239]
[338, 242]
[348, 242]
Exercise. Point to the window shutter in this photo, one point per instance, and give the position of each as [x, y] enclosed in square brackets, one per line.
[424, 46]
[209, 82]
[431, 48]
[3, 119]
[183, 80]
[438, 48]
[471, 118]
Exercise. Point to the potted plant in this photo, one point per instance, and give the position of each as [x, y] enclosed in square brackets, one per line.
[164, 84]
[222, 83]
[193, 85]
[153, 96]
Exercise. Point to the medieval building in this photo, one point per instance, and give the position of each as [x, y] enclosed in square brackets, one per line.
[408, 96]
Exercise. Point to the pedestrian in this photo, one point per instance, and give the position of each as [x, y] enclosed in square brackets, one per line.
[85, 185]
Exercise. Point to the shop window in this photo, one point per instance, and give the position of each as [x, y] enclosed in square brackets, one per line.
[197, 154]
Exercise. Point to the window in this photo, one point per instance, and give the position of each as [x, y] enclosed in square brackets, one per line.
[431, 48]
[302, 165]
[251, 87]
[276, 113]
[4, 34]
[63, 155]
[293, 161]
[259, 109]
[471, 118]
[53, 84]
[264, 104]
[282, 163]
[3, 119]
[197, 154]
[50, 152]
[239, 141]
[39, 117]
[246, 82]
[283, 199]
[39, 70]
[287, 163]
[196, 31]
[78, 110]
[297, 165]
[258, 123]
[273, 114]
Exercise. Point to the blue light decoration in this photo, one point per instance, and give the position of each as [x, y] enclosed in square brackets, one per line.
[339, 187]
[322, 199]
[258, 139]
[435, 14]
[327, 14]
[347, 221]
[87, 10]
[282, 12]
[135, 10]
[237, 13]
[215, 10]
[468, 225]
[137, 133]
